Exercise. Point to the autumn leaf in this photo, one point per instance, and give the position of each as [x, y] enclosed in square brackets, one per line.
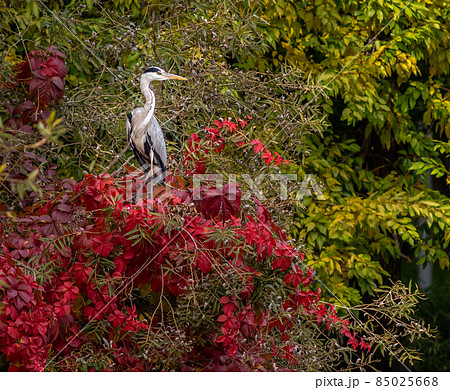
[225, 201]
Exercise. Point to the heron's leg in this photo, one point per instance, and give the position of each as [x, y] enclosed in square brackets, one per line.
[151, 174]
[139, 191]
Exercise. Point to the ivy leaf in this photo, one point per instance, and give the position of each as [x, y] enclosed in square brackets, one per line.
[105, 246]
[19, 292]
[204, 264]
[37, 83]
[56, 86]
[225, 201]
[52, 49]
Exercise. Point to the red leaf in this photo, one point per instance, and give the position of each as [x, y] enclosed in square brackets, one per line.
[36, 61]
[56, 86]
[24, 296]
[117, 318]
[54, 67]
[62, 70]
[222, 318]
[44, 94]
[225, 201]
[229, 309]
[267, 156]
[52, 49]
[37, 83]
[24, 71]
[204, 264]
[278, 159]
[49, 69]
[105, 246]
[19, 292]
[258, 145]
[58, 83]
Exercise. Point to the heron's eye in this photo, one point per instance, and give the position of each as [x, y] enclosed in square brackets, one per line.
[158, 72]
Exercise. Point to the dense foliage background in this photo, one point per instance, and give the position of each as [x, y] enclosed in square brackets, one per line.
[353, 95]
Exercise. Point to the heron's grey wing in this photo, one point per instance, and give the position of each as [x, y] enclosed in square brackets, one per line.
[159, 144]
[143, 162]
[155, 141]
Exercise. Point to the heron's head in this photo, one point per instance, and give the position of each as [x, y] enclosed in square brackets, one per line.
[154, 73]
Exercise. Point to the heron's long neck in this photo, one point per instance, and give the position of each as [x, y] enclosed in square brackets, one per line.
[149, 97]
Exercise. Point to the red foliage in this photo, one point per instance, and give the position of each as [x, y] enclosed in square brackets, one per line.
[42, 76]
[43, 319]
[45, 72]
[198, 149]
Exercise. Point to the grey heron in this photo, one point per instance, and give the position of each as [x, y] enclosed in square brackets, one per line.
[144, 133]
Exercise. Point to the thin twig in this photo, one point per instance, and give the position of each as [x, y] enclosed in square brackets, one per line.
[111, 164]
[121, 167]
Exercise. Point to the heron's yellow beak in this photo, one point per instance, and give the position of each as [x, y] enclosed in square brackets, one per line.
[174, 76]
